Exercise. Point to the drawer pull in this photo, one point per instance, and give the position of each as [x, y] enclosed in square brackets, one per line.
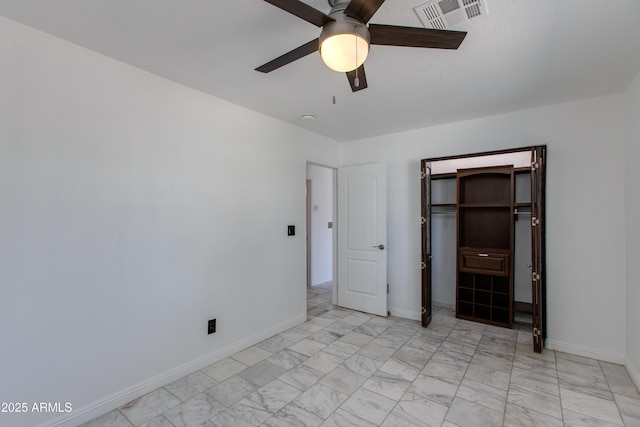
[483, 254]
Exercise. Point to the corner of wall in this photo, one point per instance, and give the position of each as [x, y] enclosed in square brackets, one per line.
[633, 372]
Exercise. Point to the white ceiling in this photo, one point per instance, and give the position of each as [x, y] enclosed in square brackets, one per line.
[523, 54]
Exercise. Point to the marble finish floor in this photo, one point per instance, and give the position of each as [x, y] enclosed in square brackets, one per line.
[346, 368]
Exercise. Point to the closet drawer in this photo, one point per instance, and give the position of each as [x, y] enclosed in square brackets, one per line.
[495, 264]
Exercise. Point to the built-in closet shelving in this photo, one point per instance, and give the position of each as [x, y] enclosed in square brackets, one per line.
[485, 206]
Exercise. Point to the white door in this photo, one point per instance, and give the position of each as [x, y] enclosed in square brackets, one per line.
[362, 238]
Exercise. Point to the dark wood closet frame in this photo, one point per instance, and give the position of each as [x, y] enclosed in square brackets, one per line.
[537, 308]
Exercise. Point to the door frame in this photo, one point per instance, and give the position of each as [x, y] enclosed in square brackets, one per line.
[308, 195]
[334, 217]
[538, 239]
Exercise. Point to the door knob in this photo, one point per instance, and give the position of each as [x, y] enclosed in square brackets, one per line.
[381, 247]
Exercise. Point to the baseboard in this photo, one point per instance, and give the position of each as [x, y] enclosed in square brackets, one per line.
[591, 353]
[116, 400]
[633, 372]
[405, 314]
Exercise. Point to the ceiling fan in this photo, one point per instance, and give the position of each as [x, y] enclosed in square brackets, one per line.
[345, 38]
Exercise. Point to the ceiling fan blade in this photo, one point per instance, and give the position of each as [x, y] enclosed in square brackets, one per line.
[392, 35]
[363, 10]
[297, 53]
[302, 11]
[362, 77]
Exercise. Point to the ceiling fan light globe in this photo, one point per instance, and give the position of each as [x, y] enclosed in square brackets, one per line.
[344, 43]
[344, 52]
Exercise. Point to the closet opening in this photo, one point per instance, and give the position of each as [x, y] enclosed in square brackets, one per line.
[483, 245]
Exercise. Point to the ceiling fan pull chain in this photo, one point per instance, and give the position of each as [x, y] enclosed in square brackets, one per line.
[356, 81]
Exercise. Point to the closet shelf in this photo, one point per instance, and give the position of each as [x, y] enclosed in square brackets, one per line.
[485, 205]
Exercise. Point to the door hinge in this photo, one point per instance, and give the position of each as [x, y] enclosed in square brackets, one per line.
[424, 310]
[536, 276]
[535, 165]
[535, 221]
[423, 220]
[423, 174]
[537, 332]
[423, 265]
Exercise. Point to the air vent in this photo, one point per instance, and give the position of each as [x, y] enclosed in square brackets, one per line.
[449, 13]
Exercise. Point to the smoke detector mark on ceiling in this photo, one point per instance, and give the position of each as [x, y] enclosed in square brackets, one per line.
[449, 13]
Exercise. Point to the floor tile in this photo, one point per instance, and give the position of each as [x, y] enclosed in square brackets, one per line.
[341, 349]
[323, 362]
[275, 344]
[619, 380]
[491, 377]
[357, 338]
[369, 405]
[307, 347]
[231, 390]
[470, 414]
[148, 406]
[262, 373]
[590, 405]
[159, 421]
[400, 369]
[412, 356]
[274, 396]
[533, 399]
[342, 418]
[362, 365]
[356, 319]
[451, 372]
[377, 351]
[111, 419]
[224, 369]
[433, 389]
[340, 327]
[190, 385]
[301, 377]
[343, 380]
[287, 359]
[245, 413]
[415, 410]
[545, 383]
[387, 385]
[251, 355]
[295, 334]
[293, 416]
[194, 411]
[482, 394]
[517, 416]
[325, 337]
[371, 329]
[629, 408]
[320, 400]
[574, 419]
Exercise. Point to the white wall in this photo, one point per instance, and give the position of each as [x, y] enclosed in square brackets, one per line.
[585, 214]
[632, 361]
[132, 210]
[321, 214]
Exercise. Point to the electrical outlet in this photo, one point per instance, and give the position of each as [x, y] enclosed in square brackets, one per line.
[211, 328]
